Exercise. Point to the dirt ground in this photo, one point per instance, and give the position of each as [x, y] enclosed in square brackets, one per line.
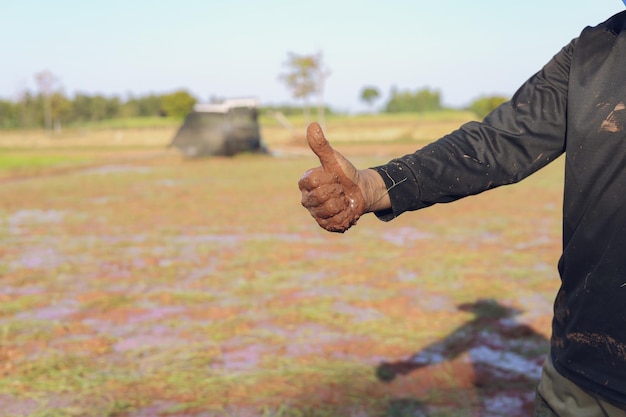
[142, 284]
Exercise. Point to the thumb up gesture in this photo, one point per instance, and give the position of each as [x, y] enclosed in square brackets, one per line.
[336, 193]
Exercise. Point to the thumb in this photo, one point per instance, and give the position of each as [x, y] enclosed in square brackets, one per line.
[349, 200]
[320, 146]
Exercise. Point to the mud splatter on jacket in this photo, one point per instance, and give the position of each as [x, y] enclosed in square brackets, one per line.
[575, 105]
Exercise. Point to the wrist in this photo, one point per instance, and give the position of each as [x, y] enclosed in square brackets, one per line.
[374, 191]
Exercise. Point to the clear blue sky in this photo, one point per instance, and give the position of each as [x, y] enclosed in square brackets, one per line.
[235, 48]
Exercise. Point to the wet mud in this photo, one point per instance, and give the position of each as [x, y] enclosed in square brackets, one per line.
[169, 290]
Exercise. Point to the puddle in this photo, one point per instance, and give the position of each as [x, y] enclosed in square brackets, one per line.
[156, 314]
[358, 315]
[538, 241]
[239, 238]
[115, 169]
[35, 216]
[55, 312]
[504, 404]
[11, 406]
[363, 292]
[113, 329]
[19, 221]
[505, 364]
[138, 336]
[431, 302]
[246, 353]
[26, 290]
[157, 408]
[535, 305]
[197, 274]
[162, 340]
[39, 258]
[243, 358]
[102, 200]
[404, 275]
[168, 183]
[405, 235]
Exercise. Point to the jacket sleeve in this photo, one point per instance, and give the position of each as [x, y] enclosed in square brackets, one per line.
[515, 140]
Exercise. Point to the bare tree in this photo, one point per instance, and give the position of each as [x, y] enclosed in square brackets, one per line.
[46, 81]
[321, 75]
[305, 77]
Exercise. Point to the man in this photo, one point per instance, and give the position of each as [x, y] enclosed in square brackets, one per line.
[575, 105]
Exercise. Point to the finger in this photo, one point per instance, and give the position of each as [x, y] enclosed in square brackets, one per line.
[337, 224]
[320, 146]
[315, 178]
[321, 195]
[329, 209]
[324, 209]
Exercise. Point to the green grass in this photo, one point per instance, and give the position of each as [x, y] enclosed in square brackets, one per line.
[29, 161]
[25, 302]
[376, 119]
[203, 288]
[130, 123]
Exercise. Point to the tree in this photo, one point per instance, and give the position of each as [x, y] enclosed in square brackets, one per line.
[51, 108]
[482, 106]
[30, 110]
[369, 95]
[81, 107]
[420, 101]
[9, 115]
[305, 77]
[85, 108]
[147, 106]
[46, 82]
[177, 104]
[61, 108]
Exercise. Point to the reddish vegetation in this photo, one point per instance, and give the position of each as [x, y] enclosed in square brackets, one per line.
[183, 288]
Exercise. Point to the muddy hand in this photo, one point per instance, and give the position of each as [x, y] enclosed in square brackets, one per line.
[330, 192]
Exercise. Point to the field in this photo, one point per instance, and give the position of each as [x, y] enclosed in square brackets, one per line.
[135, 283]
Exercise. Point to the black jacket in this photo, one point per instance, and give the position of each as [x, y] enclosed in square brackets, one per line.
[575, 105]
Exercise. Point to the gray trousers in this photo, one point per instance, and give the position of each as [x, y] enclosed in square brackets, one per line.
[557, 396]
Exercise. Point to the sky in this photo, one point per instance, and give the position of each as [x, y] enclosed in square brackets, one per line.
[238, 48]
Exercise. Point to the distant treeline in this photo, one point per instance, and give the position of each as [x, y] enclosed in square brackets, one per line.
[56, 110]
[426, 100]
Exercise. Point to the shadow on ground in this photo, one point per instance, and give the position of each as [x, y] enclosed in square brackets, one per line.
[505, 357]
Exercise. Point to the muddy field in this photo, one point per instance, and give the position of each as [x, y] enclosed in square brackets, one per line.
[146, 285]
